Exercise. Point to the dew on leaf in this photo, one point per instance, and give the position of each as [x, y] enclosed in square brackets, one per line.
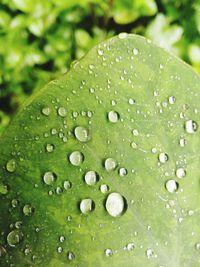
[197, 246]
[59, 249]
[104, 188]
[59, 190]
[49, 148]
[171, 186]
[14, 203]
[62, 112]
[113, 116]
[82, 134]
[122, 35]
[135, 51]
[91, 178]
[14, 238]
[180, 173]
[46, 111]
[76, 158]
[27, 210]
[11, 165]
[110, 164]
[191, 126]
[108, 252]
[123, 172]
[62, 239]
[115, 204]
[163, 157]
[67, 185]
[3, 189]
[172, 100]
[130, 246]
[70, 256]
[87, 205]
[49, 178]
[149, 253]
[2, 251]
[131, 101]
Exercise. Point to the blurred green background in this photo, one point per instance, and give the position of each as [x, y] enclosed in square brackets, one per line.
[40, 38]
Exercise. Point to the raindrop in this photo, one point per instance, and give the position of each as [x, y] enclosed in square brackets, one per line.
[108, 252]
[49, 148]
[134, 145]
[191, 126]
[149, 253]
[135, 51]
[110, 164]
[11, 165]
[62, 239]
[123, 172]
[100, 52]
[104, 188]
[130, 246]
[76, 158]
[62, 112]
[70, 256]
[59, 249]
[163, 157]
[197, 246]
[91, 178]
[14, 203]
[49, 178]
[171, 186]
[14, 238]
[87, 205]
[46, 111]
[67, 185]
[122, 35]
[172, 100]
[3, 189]
[82, 134]
[113, 116]
[180, 173]
[2, 251]
[115, 204]
[28, 210]
[131, 101]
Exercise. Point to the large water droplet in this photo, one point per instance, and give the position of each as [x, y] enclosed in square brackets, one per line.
[91, 177]
[14, 238]
[115, 204]
[62, 112]
[110, 164]
[113, 116]
[191, 126]
[49, 178]
[76, 158]
[11, 165]
[171, 186]
[82, 134]
[87, 205]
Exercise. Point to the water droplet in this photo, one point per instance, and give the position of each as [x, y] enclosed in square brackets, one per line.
[49, 178]
[197, 246]
[3, 189]
[70, 256]
[100, 52]
[123, 172]
[14, 203]
[49, 148]
[67, 185]
[27, 251]
[28, 210]
[59, 190]
[130, 246]
[62, 238]
[59, 249]
[87, 205]
[171, 186]
[135, 51]
[2, 251]
[76, 158]
[180, 173]
[191, 126]
[104, 188]
[62, 112]
[11, 165]
[135, 132]
[14, 238]
[113, 116]
[91, 178]
[131, 101]
[149, 253]
[172, 100]
[134, 145]
[110, 164]
[115, 204]
[82, 134]
[163, 157]
[122, 35]
[46, 111]
[108, 252]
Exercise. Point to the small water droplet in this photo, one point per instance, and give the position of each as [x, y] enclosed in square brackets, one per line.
[108, 252]
[59, 249]
[191, 126]
[172, 100]
[123, 172]
[104, 188]
[149, 253]
[122, 35]
[171, 186]
[131, 101]
[130, 246]
[46, 111]
[49, 178]
[62, 112]
[67, 185]
[110, 164]
[2, 251]
[180, 173]
[91, 178]
[113, 116]
[197, 246]
[27, 210]
[14, 238]
[82, 134]
[115, 204]
[11, 165]
[87, 205]
[135, 51]
[14, 203]
[70, 256]
[163, 157]
[49, 148]
[3, 189]
[100, 52]
[76, 158]
[62, 239]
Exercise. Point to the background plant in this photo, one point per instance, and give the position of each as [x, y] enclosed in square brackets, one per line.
[40, 39]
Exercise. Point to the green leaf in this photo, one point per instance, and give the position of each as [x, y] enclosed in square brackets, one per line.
[101, 166]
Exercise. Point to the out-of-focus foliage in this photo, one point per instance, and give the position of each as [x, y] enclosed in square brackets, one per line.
[40, 39]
